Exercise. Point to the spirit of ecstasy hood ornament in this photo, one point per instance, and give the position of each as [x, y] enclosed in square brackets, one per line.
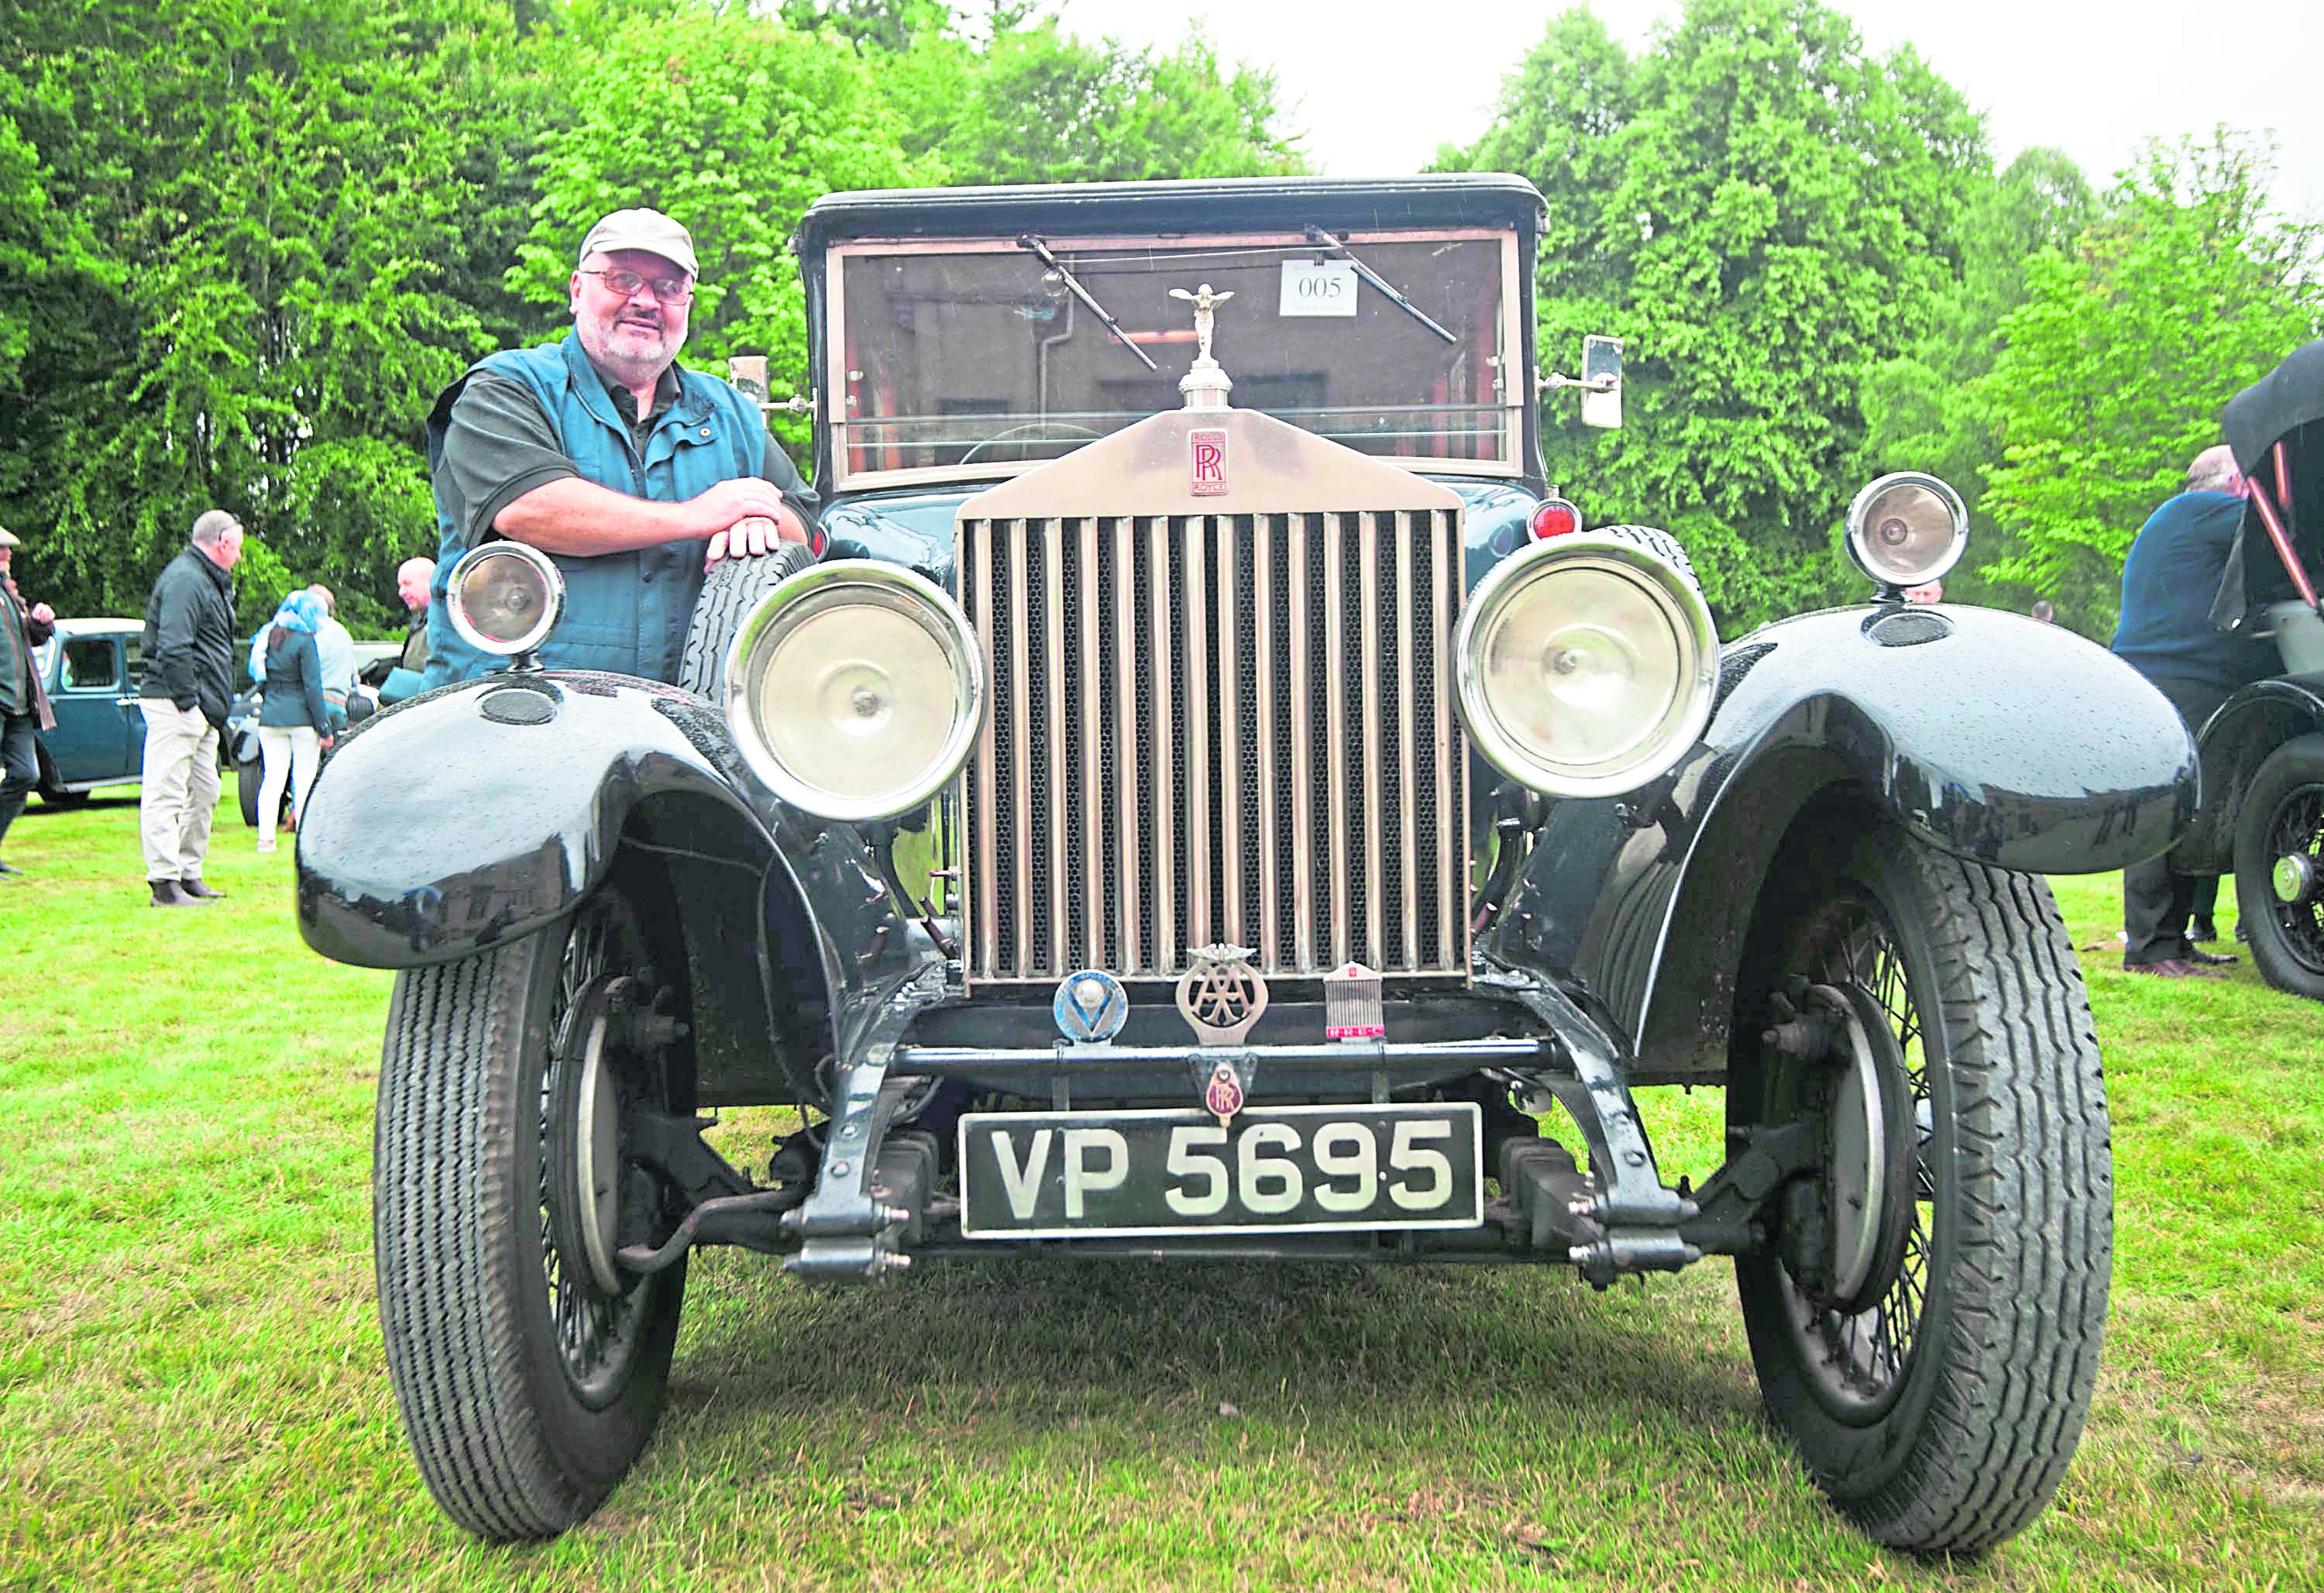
[1205, 385]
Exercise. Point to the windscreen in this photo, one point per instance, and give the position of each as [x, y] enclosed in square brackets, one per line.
[986, 356]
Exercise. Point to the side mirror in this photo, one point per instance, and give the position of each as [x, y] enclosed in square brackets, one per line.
[1601, 382]
[747, 373]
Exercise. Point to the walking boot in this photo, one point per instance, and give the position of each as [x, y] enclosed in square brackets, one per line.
[199, 891]
[168, 892]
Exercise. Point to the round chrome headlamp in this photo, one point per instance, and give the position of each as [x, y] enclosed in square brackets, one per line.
[504, 596]
[1587, 665]
[1907, 528]
[855, 689]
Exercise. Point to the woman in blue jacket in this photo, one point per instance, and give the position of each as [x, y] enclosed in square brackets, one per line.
[294, 724]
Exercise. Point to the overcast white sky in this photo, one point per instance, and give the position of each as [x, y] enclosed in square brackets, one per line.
[1376, 88]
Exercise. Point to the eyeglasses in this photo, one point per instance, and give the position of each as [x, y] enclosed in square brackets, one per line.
[669, 290]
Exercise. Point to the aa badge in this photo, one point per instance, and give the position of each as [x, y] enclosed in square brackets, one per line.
[1222, 995]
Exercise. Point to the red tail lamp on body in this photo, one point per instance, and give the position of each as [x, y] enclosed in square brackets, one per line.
[1555, 517]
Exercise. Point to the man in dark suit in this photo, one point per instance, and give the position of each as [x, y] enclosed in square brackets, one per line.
[2165, 633]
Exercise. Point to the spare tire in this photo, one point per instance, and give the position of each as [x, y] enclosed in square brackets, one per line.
[731, 590]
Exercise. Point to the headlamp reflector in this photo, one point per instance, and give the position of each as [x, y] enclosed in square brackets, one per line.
[855, 689]
[1587, 665]
[505, 598]
[1907, 528]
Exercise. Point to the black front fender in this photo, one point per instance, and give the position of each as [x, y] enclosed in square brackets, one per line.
[482, 811]
[1987, 734]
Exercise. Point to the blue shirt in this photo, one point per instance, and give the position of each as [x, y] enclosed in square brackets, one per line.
[2168, 582]
[334, 651]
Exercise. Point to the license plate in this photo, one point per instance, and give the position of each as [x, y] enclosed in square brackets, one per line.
[1031, 1175]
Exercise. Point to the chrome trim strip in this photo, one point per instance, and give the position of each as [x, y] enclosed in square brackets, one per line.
[1329, 1055]
[1052, 578]
[1452, 899]
[1093, 789]
[1194, 548]
[1262, 608]
[1367, 585]
[983, 928]
[1128, 765]
[1022, 757]
[1164, 883]
[1335, 729]
[1406, 772]
[1229, 632]
[1302, 817]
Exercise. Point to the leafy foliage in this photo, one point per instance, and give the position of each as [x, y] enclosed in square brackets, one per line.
[1762, 213]
[1926, 409]
[242, 246]
[2116, 366]
[1039, 105]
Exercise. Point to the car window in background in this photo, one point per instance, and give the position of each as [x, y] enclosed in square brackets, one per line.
[89, 663]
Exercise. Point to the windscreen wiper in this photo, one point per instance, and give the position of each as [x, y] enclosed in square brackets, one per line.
[1032, 245]
[1325, 241]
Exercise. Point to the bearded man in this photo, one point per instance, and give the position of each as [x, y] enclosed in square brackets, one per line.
[631, 472]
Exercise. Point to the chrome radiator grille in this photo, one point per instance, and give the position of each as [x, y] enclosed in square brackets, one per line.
[1216, 727]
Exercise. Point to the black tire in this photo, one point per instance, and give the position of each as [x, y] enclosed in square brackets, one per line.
[2283, 820]
[1939, 1408]
[731, 590]
[1660, 543]
[526, 1396]
[249, 777]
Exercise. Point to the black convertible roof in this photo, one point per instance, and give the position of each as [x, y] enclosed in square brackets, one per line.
[1229, 203]
[2276, 405]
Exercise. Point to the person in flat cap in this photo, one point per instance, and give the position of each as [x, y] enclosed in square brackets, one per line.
[630, 470]
[24, 703]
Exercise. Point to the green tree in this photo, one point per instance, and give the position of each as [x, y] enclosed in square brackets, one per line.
[1037, 104]
[2114, 371]
[1926, 409]
[734, 124]
[1761, 212]
[262, 324]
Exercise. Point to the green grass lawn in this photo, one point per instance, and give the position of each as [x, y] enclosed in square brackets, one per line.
[192, 1393]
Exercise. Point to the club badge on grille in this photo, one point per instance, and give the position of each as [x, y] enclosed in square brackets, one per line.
[1222, 995]
[1222, 1096]
[1351, 1003]
[1091, 1007]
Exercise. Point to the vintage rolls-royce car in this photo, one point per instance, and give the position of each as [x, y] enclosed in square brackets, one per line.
[1212, 799]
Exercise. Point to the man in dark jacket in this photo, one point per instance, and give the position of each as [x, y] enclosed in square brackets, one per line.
[190, 648]
[2165, 633]
[23, 702]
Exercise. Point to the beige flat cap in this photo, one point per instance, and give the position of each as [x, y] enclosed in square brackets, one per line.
[650, 230]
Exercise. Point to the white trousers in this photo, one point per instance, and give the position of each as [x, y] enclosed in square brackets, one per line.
[180, 789]
[292, 752]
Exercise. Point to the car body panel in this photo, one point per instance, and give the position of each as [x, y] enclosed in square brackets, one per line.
[2236, 741]
[517, 818]
[90, 669]
[1943, 719]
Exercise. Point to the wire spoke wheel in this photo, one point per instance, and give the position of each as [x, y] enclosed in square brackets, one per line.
[597, 1331]
[2296, 841]
[1859, 1356]
[529, 1380]
[2279, 850]
[1926, 1319]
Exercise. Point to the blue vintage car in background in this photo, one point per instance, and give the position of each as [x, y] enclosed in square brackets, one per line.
[91, 668]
